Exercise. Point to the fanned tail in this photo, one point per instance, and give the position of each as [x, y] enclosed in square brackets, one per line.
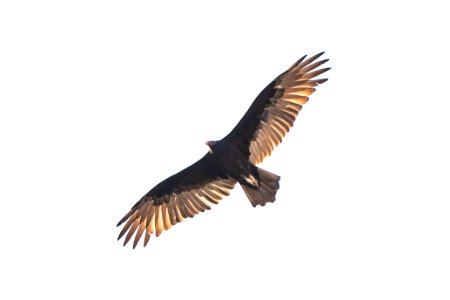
[265, 190]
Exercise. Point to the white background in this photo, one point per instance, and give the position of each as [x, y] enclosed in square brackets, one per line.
[101, 100]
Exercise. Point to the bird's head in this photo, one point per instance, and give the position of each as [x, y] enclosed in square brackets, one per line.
[211, 145]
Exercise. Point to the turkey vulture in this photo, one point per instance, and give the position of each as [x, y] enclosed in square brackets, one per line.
[231, 159]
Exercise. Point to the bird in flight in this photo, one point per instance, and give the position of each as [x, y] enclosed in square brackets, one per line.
[231, 160]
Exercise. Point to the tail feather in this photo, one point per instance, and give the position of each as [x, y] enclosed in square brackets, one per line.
[265, 192]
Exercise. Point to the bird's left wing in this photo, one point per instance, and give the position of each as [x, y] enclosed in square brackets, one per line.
[180, 196]
[274, 110]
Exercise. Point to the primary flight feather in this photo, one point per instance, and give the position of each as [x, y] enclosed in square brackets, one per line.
[229, 160]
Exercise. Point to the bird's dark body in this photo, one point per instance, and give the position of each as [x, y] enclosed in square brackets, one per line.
[231, 160]
[223, 161]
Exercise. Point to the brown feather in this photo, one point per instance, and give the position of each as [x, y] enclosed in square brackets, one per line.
[309, 60]
[147, 238]
[159, 221]
[283, 123]
[179, 216]
[191, 207]
[132, 230]
[288, 117]
[275, 134]
[287, 104]
[271, 139]
[183, 209]
[308, 83]
[202, 203]
[126, 216]
[301, 91]
[296, 98]
[292, 111]
[127, 225]
[207, 197]
[172, 212]
[228, 183]
[222, 191]
[151, 219]
[166, 216]
[139, 233]
[296, 64]
[197, 206]
[315, 73]
[211, 194]
[313, 66]
[278, 128]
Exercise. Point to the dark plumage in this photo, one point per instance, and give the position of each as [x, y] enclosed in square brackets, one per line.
[229, 160]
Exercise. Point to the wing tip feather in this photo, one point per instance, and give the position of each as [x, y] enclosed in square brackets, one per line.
[299, 61]
[322, 80]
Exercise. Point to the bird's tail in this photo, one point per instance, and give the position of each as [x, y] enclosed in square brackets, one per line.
[264, 191]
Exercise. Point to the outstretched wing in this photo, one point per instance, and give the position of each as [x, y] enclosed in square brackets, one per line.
[273, 112]
[180, 196]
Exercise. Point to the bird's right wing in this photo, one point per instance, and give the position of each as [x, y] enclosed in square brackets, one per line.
[274, 110]
[180, 196]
